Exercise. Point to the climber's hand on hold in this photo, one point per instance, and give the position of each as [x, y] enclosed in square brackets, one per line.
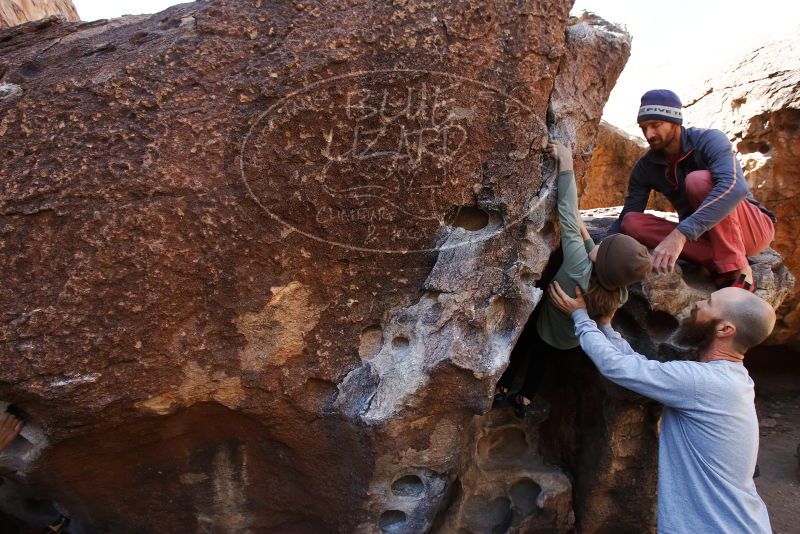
[561, 153]
[564, 302]
[10, 426]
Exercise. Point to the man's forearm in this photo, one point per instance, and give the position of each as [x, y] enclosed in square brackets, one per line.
[728, 186]
[717, 206]
[670, 383]
[584, 232]
[616, 339]
[608, 358]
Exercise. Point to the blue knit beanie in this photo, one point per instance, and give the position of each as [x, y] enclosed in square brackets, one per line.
[660, 105]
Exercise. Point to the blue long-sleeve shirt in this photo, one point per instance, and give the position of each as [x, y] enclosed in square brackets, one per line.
[709, 434]
[702, 149]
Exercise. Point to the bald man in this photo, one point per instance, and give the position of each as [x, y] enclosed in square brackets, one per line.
[709, 431]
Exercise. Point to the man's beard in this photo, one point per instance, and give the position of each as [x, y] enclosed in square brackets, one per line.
[661, 142]
[696, 336]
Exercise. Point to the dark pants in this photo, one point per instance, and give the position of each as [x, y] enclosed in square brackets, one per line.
[538, 353]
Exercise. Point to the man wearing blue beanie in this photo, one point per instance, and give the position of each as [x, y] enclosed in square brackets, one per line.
[721, 224]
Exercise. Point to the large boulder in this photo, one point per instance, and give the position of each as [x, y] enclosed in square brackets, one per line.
[756, 102]
[13, 12]
[264, 262]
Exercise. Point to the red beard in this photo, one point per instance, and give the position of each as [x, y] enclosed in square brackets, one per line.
[696, 336]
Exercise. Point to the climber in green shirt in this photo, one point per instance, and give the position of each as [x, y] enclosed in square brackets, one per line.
[603, 272]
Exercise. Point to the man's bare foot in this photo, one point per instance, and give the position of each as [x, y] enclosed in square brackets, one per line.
[10, 427]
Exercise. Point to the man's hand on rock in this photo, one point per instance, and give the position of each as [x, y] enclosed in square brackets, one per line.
[666, 253]
[10, 426]
[561, 153]
[564, 302]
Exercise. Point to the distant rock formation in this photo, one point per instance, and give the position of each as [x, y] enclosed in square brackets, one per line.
[13, 12]
[757, 103]
[263, 263]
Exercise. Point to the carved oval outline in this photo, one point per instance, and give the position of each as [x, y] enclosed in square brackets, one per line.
[312, 86]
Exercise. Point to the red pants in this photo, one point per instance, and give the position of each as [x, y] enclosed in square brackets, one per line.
[746, 230]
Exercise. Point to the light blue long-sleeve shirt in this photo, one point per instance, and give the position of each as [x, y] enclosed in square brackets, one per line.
[709, 434]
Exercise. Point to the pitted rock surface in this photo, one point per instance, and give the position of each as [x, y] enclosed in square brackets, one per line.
[264, 263]
[584, 74]
[509, 487]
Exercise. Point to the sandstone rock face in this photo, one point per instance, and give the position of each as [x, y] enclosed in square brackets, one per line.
[606, 180]
[13, 12]
[264, 263]
[508, 486]
[584, 74]
[757, 103]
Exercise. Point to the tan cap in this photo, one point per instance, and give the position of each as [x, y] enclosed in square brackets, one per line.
[621, 261]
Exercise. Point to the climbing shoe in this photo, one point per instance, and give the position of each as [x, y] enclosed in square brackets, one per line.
[500, 396]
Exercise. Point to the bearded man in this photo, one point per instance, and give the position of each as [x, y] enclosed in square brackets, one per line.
[721, 224]
[709, 430]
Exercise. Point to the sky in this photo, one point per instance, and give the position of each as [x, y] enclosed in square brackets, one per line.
[681, 43]
[676, 45]
[106, 9]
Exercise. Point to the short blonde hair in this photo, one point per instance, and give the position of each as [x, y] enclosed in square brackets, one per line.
[600, 301]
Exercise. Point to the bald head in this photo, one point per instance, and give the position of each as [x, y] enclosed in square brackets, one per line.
[752, 316]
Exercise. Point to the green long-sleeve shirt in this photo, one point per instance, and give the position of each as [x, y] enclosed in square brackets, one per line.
[555, 327]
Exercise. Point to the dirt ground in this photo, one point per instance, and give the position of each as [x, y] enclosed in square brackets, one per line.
[777, 379]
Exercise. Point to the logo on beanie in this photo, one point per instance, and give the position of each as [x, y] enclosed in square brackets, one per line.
[674, 113]
[660, 104]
